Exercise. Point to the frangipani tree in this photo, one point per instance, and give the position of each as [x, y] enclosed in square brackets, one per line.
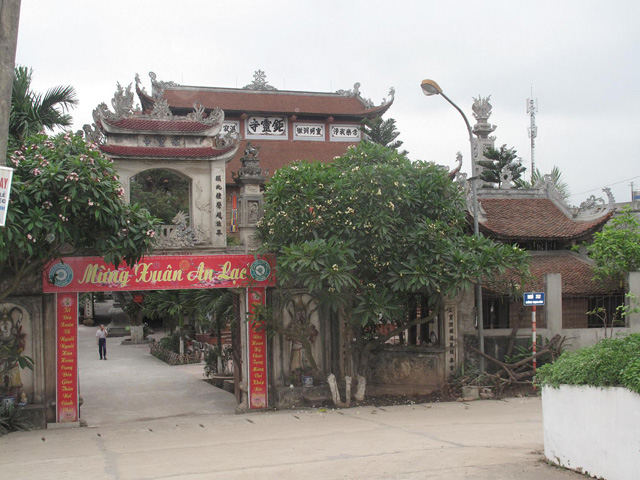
[370, 229]
[66, 199]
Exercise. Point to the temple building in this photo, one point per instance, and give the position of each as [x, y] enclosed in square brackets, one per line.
[202, 134]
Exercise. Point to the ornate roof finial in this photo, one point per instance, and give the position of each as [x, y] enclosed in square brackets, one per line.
[259, 82]
[482, 111]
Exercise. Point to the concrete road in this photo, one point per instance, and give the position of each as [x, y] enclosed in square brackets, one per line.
[175, 426]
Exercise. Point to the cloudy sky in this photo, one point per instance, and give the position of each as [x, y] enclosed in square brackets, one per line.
[580, 58]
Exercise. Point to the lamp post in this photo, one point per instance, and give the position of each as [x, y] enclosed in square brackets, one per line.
[430, 87]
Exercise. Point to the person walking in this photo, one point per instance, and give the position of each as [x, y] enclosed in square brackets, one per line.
[101, 337]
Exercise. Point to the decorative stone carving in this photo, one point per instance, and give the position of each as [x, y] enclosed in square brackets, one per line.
[198, 112]
[350, 93]
[259, 82]
[594, 207]
[161, 109]
[481, 108]
[482, 111]
[139, 84]
[122, 101]
[180, 235]
[250, 172]
[158, 86]
[201, 205]
[506, 178]
[102, 111]
[92, 133]
[226, 140]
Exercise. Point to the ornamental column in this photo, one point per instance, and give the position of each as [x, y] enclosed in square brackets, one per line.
[482, 130]
[250, 177]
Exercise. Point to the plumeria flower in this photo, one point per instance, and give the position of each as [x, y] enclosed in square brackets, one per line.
[36, 171]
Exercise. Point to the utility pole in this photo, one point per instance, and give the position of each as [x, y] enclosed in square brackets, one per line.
[9, 19]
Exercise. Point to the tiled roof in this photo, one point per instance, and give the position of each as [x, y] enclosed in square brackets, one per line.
[163, 152]
[577, 274]
[277, 154]
[298, 103]
[531, 219]
[152, 125]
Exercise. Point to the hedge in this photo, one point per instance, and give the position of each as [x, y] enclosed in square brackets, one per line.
[612, 362]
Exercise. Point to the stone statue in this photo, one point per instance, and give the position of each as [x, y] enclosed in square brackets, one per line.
[300, 327]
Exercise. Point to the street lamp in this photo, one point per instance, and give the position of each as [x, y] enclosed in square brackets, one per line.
[430, 87]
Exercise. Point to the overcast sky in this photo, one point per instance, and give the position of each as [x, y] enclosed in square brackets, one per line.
[581, 58]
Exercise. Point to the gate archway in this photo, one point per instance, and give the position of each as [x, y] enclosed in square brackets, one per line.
[72, 275]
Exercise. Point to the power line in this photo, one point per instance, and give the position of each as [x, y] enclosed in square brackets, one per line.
[608, 185]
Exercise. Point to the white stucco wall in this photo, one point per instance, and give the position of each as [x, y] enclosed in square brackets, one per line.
[595, 430]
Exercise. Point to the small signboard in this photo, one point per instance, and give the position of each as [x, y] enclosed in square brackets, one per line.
[534, 299]
[6, 174]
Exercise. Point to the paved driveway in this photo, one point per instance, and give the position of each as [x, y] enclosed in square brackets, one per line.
[133, 385]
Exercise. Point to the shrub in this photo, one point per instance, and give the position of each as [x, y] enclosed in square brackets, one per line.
[211, 359]
[611, 362]
[171, 342]
[12, 419]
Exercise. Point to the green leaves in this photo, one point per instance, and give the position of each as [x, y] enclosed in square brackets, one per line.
[32, 111]
[66, 197]
[616, 248]
[610, 362]
[372, 227]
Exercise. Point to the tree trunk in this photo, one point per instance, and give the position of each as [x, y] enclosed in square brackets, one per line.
[219, 342]
[362, 387]
[335, 393]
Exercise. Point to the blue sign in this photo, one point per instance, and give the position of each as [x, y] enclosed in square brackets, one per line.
[534, 298]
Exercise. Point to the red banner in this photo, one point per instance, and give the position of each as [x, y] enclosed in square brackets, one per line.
[160, 272]
[257, 349]
[67, 358]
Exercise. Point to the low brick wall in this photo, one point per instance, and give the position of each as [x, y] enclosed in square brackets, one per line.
[173, 358]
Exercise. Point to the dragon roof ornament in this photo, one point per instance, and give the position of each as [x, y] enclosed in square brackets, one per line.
[594, 207]
[158, 86]
[368, 103]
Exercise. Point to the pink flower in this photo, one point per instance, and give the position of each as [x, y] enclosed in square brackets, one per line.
[36, 171]
[151, 233]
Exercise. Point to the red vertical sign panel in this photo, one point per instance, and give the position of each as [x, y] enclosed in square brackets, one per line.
[67, 357]
[257, 350]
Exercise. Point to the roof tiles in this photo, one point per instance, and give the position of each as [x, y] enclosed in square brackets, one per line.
[271, 102]
[163, 152]
[531, 219]
[159, 125]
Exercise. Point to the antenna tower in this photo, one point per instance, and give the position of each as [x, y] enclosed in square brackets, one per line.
[532, 109]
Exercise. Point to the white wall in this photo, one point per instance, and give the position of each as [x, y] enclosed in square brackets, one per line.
[593, 429]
